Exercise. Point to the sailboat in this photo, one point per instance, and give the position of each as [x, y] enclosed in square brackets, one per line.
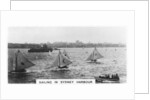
[21, 63]
[66, 54]
[61, 61]
[94, 56]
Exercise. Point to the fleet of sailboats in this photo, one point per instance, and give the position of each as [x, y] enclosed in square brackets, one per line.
[61, 61]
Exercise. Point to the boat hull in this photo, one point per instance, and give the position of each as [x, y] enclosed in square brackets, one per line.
[64, 67]
[18, 71]
[106, 80]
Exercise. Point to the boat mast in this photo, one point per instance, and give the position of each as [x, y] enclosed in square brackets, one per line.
[59, 59]
[16, 63]
[94, 55]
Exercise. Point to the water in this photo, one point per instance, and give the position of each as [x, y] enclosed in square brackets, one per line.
[114, 61]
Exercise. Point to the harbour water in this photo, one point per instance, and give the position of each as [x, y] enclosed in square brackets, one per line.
[113, 61]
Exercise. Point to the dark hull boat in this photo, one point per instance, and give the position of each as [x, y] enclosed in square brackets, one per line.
[18, 71]
[43, 48]
[40, 50]
[107, 79]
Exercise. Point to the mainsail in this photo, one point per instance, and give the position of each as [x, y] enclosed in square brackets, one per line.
[66, 54]
[61, 61]
[94, 55]
[21, 62]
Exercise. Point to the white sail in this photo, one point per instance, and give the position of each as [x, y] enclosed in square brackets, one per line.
[21, 61]
[61, 61]
[95, 55]
[50, 53]
[66, 54]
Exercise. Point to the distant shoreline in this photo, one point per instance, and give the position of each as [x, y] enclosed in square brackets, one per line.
[64, 45]
[73, 47]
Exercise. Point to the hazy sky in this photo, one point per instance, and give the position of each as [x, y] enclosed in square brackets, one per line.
[67, 34]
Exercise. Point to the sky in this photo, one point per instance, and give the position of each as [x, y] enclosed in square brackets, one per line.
[67, 34]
